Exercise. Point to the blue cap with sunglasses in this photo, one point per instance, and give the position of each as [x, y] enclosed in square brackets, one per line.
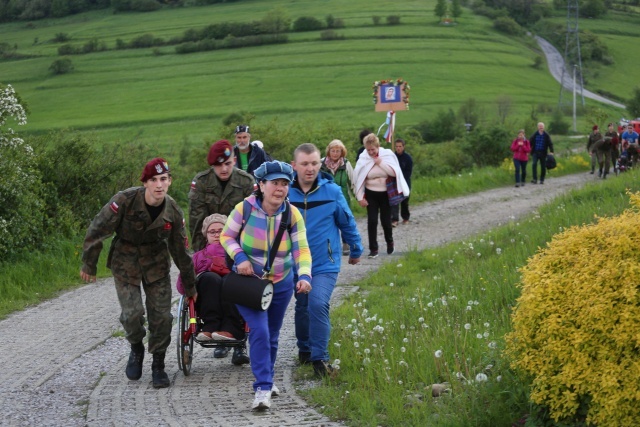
[268, 171]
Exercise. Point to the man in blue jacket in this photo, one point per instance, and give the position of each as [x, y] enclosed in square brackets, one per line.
[326, 214]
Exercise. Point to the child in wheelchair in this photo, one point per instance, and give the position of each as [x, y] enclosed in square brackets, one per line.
[219, 320]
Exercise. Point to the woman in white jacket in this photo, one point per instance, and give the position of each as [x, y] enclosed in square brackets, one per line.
[375, 165]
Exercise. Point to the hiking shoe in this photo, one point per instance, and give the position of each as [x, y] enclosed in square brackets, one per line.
[240, 356]
[134, 365]
[262, 400]
[405, 221]
[534, 181]
[322, 368]
[394, 223]
[275, 391]
[390, 248]
[159, 376]
[221, 352]
[373, 254]
[517, 185]
[541, 182]
[304, 357]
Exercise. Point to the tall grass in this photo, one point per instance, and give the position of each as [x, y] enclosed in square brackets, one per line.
[43, 275]
[438, 316]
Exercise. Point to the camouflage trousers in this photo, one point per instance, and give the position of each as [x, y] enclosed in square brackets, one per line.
[158, 304]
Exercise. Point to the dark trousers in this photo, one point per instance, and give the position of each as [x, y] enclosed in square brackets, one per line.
[521, 170]
[401, 210]
[378, 205]
[538, 156]
[216, 314]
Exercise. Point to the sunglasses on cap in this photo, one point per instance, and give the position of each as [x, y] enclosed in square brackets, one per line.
[242, 128]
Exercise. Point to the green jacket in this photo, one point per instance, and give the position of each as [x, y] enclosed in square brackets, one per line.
[207, 197]
[343, 177]
[141, 249]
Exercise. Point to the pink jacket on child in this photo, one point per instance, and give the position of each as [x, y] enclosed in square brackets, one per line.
[211, 258]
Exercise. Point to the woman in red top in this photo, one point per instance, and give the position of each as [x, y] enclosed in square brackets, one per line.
[521, 149]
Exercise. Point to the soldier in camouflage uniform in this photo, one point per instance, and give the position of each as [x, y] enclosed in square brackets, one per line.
[149, 231]
[217, 191]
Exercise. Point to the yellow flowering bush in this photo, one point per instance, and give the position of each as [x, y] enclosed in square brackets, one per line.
[576, 326]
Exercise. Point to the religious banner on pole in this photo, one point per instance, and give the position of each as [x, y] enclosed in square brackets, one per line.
[390, 96]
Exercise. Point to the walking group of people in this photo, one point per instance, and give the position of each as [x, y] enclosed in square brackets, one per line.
[615, 150]
[539, 145]
[607, 151]
[311, 193]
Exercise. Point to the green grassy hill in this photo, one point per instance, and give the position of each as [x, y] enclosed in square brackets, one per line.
[160, 96]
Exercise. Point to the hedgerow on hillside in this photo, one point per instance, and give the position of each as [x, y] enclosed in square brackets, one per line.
[575, 326]
[54, 184]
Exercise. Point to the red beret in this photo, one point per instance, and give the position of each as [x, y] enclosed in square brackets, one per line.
[595, 127]
[219, 152]
[157, 166]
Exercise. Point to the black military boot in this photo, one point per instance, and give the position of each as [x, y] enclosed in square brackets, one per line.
[240, 356]
[134, 365]
[160, 377]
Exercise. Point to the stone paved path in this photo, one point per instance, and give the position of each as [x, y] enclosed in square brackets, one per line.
[62, 366]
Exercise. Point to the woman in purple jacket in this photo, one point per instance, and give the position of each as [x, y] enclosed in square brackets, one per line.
[521, 149]
[221, 319]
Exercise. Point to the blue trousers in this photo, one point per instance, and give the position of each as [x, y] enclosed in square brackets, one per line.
[312, 316]
[264, 332]
[521, 170]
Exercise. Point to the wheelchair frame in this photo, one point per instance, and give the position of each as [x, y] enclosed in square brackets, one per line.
[188, 328]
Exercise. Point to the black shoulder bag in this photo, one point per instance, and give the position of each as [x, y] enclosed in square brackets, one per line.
[253, 291]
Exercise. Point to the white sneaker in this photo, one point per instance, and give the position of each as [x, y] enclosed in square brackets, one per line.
[275, 391]
[262, 400]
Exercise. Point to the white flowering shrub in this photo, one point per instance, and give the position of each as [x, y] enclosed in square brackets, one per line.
[21, 205]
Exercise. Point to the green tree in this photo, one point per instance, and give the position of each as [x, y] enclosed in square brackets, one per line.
[61, 66]
[21, 205]
[592, 8]
[456, 9]
[276, 21]
[633, 105]
[441, 9]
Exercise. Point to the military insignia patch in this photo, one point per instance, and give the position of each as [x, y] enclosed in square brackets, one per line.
[167, 226]
[159, 168]
[114, 207]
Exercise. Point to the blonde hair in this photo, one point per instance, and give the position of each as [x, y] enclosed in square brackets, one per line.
[371, 140]
[336, 143]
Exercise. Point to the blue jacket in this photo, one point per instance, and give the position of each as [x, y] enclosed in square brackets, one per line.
[326, 215]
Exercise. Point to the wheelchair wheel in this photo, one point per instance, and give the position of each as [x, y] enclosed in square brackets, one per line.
[184, 339]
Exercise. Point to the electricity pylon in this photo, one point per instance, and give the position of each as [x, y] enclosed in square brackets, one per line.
[572, 70]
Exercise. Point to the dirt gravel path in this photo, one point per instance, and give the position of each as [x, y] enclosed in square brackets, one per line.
[62, 365]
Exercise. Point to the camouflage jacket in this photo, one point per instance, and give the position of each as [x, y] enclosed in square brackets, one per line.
[141, 249]
[207, 197]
